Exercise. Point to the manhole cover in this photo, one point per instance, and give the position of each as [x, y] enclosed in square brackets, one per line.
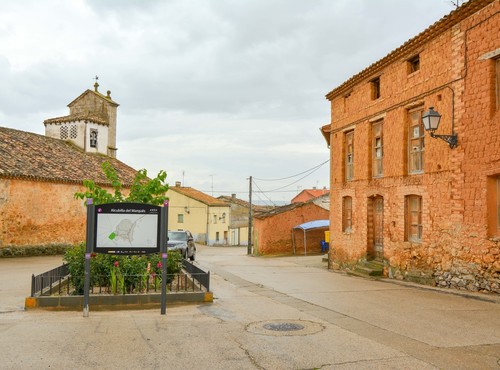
[283, 326]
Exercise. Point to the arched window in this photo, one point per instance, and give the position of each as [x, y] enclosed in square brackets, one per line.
[93, 138]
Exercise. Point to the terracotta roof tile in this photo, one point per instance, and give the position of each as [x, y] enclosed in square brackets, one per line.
[78, 117]
[241, 202]
[307, 194]
[36, 157]
[198, 195]
[282, 209]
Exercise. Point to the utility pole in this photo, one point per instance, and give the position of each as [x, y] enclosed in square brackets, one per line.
[249, 249]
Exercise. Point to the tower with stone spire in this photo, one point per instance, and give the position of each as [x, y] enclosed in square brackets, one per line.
[91, 123]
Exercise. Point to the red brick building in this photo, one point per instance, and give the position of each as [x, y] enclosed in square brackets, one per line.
[308, 194]
[400, 196]
[272, 231]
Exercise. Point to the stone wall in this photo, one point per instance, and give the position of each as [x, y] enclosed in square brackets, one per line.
[40, 214]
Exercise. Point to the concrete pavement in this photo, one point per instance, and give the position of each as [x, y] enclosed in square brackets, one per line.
[340, 322]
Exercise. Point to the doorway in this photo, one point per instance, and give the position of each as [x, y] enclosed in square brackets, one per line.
[375, 242]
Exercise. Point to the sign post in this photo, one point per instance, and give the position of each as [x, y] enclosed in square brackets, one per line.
[125, 229]
[164, 258]
[88, 250]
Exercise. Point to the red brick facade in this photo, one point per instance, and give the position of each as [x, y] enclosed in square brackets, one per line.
[412, 201]
[272, 231]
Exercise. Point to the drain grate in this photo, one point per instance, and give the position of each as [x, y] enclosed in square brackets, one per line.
[283, 326]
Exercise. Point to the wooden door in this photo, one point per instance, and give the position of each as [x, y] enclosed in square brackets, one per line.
[378, 227]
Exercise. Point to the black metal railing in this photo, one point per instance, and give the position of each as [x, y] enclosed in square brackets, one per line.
[49, 282]
[59, 281]
[202, 277]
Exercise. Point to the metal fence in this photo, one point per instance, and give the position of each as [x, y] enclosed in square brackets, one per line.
[49, 282]
[59, 282]
[198, 274]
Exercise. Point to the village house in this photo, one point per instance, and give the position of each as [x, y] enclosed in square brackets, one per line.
[425, 204]
[274, 233]
[39, 175]
[308, 194]
[238, 222]
[205, 216]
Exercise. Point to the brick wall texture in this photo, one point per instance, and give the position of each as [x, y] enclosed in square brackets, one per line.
[273, 234]
[459, 247]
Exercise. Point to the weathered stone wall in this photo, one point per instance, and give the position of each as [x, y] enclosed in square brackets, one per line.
[459, 248]
[40, 214]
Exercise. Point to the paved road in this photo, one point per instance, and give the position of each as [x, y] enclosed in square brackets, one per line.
[339, 322]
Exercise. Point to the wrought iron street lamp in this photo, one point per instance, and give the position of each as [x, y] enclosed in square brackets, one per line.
[431, 119]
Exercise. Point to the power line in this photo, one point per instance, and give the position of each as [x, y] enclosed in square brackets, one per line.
[314, 169]
[263, 193]
[298, 174]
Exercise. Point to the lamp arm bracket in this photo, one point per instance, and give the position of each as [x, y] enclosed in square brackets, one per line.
[452, 140]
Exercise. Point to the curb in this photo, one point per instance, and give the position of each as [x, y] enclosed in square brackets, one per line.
[114, 302]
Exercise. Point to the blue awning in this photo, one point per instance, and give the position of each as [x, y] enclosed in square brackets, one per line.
[317, 224]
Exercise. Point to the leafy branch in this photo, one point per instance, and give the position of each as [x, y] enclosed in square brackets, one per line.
[143, 189]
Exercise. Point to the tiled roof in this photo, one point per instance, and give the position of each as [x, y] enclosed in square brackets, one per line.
[77, 117]
[199, 196]
[413, 45]
[241, 202]
[282, 209]
[307, 194]
[97, 93]
[39, 158]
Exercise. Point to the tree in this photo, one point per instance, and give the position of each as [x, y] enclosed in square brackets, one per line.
[143, 189]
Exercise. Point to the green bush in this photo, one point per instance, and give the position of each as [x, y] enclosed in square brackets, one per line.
[120, 273]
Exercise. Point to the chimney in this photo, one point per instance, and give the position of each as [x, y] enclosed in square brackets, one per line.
[177, 184]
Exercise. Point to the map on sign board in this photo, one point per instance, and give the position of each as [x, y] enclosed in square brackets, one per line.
[127, 230]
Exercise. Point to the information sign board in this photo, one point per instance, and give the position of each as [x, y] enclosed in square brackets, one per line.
[127, 228]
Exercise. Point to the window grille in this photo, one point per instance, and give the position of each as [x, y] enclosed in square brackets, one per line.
[63, 132]
[73, 133]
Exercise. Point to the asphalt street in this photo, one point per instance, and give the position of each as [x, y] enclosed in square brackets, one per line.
[268, 313]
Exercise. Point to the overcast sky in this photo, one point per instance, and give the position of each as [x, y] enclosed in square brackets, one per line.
[211, 91]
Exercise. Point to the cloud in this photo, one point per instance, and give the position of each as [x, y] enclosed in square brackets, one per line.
[208, 89]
